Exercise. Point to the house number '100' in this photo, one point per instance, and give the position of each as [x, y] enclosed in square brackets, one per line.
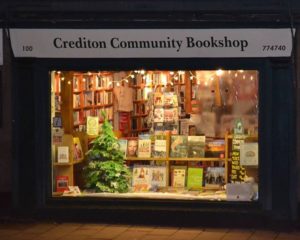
[27, 48]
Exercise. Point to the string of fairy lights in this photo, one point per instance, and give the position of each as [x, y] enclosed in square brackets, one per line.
[234, 77]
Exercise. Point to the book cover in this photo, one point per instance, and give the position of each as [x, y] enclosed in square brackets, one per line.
[144, 148]
[215, 148]
[132, 148]
[170, 115]
[178, 176]
[141, 178]
[160, 148]
[249, 154]
[62, 183]
[179, 146]
[173, 128]
[88, 98]
[196, 146]
[62, 154]
[158, 99]
[123, 146]
[175, 100]
[214, 176]
[158, 115]
[158, 176]
[77, 150]
[75, 84]
[184, 126]
[168, 99]
[158, 129]
[92, 125]
[195, 178]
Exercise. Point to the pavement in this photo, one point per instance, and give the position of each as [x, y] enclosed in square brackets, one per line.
[92, 231]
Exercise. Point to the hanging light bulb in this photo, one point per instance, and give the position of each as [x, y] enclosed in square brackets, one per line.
[219, 72]
[132, 75]
[235, 75]
[83, 79]
[191, 77]
[171, 73]
[143, 72]
[69, 82]
[63, 78]
[118, 84]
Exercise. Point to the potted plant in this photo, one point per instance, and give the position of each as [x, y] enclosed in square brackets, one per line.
[106, 170]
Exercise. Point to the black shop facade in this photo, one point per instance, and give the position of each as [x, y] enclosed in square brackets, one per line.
[157, 122]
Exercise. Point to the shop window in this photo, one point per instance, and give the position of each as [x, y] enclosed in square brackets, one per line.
[155, 134]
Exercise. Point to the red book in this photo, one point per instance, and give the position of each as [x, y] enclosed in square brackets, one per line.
[62, 183]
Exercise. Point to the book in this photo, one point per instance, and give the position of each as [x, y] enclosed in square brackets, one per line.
[88, 98]
[178, 176]
[173, 128]
[141, 178]
[77, 150]
[215, 148]
[184, 126]
[92, 125]
[170, 115]
[62, 154]
[195, 178]
[168, 99]
[179, 146]
[144, 148]
[158, 115]
[72, 191]
[158, 99]
[196, 146]
[158, 176]
[249, 154]
[160, 148]
[132, 148]
[62, 183]
[214, 176]
[123, 146]
[76, 101]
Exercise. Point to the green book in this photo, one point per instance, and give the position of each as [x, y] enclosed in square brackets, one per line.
[195, 178]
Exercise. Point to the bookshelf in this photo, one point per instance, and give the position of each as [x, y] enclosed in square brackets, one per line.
[169, 161]
[66, 169]
[147, 83]
[92, 93]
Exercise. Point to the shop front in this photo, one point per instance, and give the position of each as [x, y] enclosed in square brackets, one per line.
[180, 122]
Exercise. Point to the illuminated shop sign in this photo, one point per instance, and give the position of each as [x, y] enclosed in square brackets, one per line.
[151, 43]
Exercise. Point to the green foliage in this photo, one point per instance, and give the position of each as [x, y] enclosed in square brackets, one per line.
[106, 170]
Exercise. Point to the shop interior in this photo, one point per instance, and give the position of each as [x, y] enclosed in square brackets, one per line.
[157, 134]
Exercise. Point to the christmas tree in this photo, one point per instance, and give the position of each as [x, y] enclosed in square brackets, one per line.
[106, 170]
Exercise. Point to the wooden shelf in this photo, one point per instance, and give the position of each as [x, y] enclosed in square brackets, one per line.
[78, 161]
[103, 89]
[140, 130]
[176, 159]
[196, 159]
[140, 115]
[103, 105]
[62, 164]
[140, 101]
[145, 159]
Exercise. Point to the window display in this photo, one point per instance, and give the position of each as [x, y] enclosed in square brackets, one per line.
[173, 134]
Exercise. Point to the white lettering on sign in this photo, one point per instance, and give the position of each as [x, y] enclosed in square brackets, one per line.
[151, 43]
